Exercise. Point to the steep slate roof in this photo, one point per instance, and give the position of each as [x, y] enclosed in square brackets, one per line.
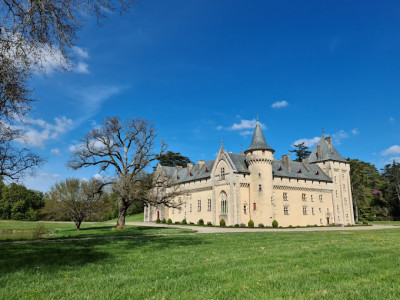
[327, 151]
[258, 142]
[314, 172]
[239, 161]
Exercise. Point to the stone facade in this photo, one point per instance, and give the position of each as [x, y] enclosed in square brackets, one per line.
[253, 185]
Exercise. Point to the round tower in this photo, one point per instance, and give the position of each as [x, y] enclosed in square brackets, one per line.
[259, 158]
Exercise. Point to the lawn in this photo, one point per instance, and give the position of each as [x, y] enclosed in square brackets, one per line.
[262, 265]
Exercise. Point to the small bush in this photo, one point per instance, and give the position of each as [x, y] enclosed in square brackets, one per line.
[158, 221]
[291, 226]
[315, 225]
[209, 224]
[250, 224]
[184, 222]
[164, 221]
[200, 222]
[275, 223]
[191, 223]
[261, 225]
[236, 225]
[169, 221]
[177, 222]
[222, 223]
[333, 224]
[365, 222]
[242, 225]
[40, 231]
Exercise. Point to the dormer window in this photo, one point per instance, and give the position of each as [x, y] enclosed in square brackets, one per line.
[177, 177]
[280, 168]
[299, 171]
[317, 173]
[206, 170]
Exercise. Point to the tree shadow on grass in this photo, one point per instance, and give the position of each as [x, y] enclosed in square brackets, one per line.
[54, 256]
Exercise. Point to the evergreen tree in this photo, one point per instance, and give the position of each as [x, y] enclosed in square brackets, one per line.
[172, 159]
[300, 151]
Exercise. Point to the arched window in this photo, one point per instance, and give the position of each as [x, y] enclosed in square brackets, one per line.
[224, 204]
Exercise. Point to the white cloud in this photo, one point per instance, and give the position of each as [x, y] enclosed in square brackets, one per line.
[339, 136]
[392, 120]
[37, 132]
[246, 124]
[80, 52]
[219, 127]
[48, 175]
[98, 177]
[247, 132]
[72, 148]
[395, 149]
[55, 151]
[308, 142]
[82, 68]
[355, 131]
[279, 104]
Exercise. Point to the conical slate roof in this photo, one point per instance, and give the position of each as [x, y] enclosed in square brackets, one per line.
[325, 151]
[258, 142]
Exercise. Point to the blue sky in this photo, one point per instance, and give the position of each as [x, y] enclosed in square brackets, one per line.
[203, 70]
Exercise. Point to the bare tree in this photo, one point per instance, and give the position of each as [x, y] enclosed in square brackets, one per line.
[32, 33]
[76, 198]
[126, 148]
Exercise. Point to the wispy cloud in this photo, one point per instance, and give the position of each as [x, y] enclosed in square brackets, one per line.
[246, 124]
[82, 68]
[279, 104]
[355, 131]
[48, 175]
[55, 151]
[80, 52]
[339, 136]
[247, 132]
[38, 131]
[392, 120]
[307, 142]
[395, 149]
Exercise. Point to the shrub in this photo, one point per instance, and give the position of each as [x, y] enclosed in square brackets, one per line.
[40, 231]
[365, 222]
[333, 224]
[184, 222]
[164, 221]
[209, 224]
[177, 222]
[315, 225]
[169, 221]
[275, 223]
[158, 221]
[291, 226]
[191, 223]
[236, 225]
[242, 225]
[222, 223]
[261, 225]
[200, 222]
[250, 224]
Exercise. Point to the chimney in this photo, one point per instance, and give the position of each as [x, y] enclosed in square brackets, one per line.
[189, 168]
[200, 163]
[306, 164]
[328, 139]
[319, 152]
[286, 161]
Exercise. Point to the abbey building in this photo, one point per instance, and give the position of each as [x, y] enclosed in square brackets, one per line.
[253, 185]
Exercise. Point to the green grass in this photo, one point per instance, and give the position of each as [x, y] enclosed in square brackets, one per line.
[393, 223]
[261, 265]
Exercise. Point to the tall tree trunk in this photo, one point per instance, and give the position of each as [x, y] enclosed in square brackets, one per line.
[122, 209]
[355, 209]
[78, 224]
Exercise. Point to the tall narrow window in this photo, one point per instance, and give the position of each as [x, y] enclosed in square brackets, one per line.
[190, 208]
[321, 199]
[312, 198]
[209, 205]
[259, 188]
[254, 206]
[284, 196]
[286, 210]
[224, 206]
[312, 210]
[304, 210]
[222, 173]
[303, 197]
[199, 205]
[245, 209]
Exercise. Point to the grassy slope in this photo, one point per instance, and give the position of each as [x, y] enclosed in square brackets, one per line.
[302, 265]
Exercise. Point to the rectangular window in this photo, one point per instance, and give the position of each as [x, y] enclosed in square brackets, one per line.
[209, 205]
[312, 198]
[303, 197]
[198, 205]
[320, 210]
[190, 208]
[245, 209]
[224, 208]
[286, 210]
[254, 206]
[284, 196]
[222, 173]
[312, 210]
[321, 199]
[259, 188]
[259, 174]
[320, 221]
[304, 210]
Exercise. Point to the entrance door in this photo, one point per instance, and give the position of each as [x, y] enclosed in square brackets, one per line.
[327, 220]
[158, 214]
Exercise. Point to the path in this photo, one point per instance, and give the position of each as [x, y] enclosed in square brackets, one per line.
[210, 229]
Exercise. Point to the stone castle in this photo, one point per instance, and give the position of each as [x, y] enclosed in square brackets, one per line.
[253, 185]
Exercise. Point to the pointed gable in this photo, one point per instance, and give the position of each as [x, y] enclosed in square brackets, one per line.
[258, 142]
[325, 151]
